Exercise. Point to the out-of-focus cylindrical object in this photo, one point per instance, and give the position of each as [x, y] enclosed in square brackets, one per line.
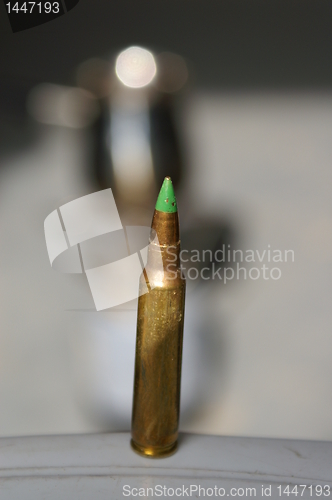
[156, 405]
[135, 141]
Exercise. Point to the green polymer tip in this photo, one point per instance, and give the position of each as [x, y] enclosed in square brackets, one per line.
[166, 201]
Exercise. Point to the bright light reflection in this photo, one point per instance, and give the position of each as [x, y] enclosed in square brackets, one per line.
[135, 67]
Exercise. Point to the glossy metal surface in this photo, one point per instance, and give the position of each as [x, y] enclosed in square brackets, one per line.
[160, 319]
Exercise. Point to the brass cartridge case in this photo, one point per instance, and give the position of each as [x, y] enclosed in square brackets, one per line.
[156, 404]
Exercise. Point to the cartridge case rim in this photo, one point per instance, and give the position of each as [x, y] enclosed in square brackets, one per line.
[154, 451]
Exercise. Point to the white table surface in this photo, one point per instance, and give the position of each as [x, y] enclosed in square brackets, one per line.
[99, 466]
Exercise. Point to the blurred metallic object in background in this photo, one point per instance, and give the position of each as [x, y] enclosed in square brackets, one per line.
[128, 107]
[128, 131]
[135, 138]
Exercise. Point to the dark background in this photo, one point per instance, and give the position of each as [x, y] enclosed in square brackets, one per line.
[231, 44]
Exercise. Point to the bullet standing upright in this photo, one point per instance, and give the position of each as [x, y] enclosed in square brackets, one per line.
[156, 405]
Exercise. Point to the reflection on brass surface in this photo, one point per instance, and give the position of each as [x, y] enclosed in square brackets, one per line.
[166, 226]
[160, 319]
